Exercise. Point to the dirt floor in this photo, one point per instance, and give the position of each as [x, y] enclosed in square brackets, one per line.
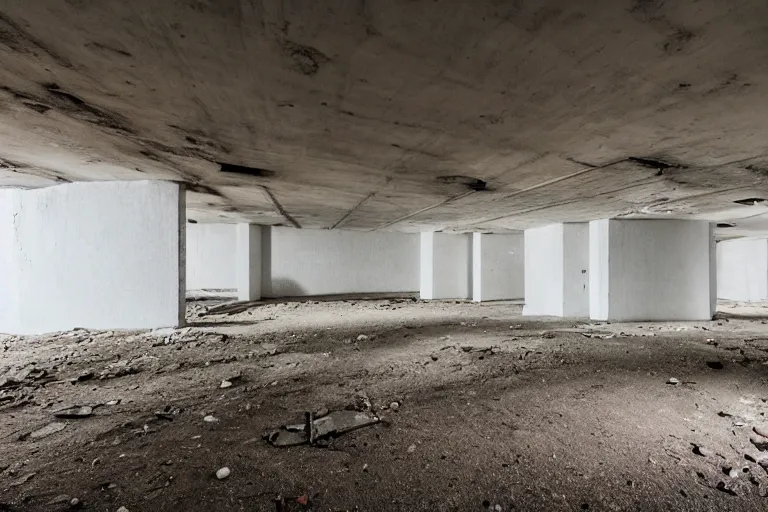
[492, 411]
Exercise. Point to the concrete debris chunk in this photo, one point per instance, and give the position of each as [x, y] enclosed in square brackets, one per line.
[76, 411]
[22, 480]
[759, 442]
[331, 425]
[51, 428]
[761, 430]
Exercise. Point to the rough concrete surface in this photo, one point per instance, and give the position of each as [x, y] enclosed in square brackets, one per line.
[481, 409]
[486, 115]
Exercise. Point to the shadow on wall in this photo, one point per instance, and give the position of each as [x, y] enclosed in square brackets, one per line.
[282, 287]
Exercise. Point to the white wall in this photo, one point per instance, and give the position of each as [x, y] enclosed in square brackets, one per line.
[556, 270]
[497, 267]
[544, 271]
[446, 266]
[300, 262]
[742, 269]
[104, 255]
[576, 269]
[657, 270]
[211, 250]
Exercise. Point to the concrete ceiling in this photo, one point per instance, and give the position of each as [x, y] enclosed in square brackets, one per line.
[397, 114]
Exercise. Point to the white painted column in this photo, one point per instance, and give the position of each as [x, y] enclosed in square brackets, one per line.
[742, 270]
[99, 255]
[556, 270]
[652, 270]
[445, 266]
[211, 256]
[248, 262]
[497, 267]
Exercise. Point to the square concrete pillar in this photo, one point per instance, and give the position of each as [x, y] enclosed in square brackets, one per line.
[497, 267]
[445, 266]
[742, 270]
[556, 270]
[99, 255]
[211, 256]
[248, 262]
[652, 270]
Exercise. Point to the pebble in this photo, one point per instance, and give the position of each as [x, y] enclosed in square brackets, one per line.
[74, 502]
[394, 406]
[112, 402]
[210, 419]
[123, 509]
[673, 381]
[362, 337]
[225, 384]
[223, 473]
[733, 473]
[412, 448]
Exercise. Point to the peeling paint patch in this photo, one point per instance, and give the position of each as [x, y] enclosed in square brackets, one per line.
[678, 40]
[471, 183]
[305, 59]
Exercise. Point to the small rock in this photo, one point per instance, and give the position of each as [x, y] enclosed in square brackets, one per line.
[761, 430]
[673, 381]
[223, 473]
[112, 402]
[362, 337]
[123, 509]
[225, 384]
[210, 419]
[412, 448]
[321, 412]
[733, 473]
[394, 406]
[365, 468]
